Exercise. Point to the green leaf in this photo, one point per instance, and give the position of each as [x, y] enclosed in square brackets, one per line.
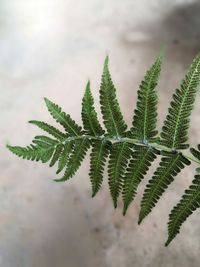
[189, 202]
[98, 156]
[89, 115]
[33, 152]
[65, 120]
[142, 158]
[196, 152]
[45, 140]
[64, 156]
[76, 157]
[130, 152]
[110, 109]
[56, 155]
[170, 166]
[49, 129]
[175, 130]
[118, 161]
[145, 114]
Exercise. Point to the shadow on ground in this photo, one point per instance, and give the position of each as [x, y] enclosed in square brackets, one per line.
[178, 31]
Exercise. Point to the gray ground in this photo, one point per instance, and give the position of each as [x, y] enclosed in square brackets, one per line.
[50, 48]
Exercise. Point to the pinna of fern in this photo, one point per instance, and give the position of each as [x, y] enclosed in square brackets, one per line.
[130, 152]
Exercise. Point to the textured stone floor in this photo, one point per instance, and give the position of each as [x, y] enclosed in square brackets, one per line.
[50, 48]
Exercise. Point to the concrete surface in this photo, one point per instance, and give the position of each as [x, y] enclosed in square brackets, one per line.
[50, 48]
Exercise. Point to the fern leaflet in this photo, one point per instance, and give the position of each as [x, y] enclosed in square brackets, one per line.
[142, 159]
[189, 202]
[175, 130]
[49, 129]
[64, 155]
[56, 155]
[38, 152]
[100, 150]
[110, 109]
[170, 166]
[117, 165]
[89, 115]
[69, 125]
[76, 157]
[145, 115]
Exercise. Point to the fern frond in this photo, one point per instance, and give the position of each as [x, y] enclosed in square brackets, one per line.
[119, 156]
[130, 152]
[77, 155]
[110, 109]
[89, 115]
[49, 129]
[175, 130]
[98, 156]
[142, 158]
[170, 166]
[189, 202]
[65, 120]
[145, 114]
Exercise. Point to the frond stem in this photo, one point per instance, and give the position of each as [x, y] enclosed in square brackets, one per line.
[113, 140]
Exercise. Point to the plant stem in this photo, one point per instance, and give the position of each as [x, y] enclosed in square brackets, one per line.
[157, 146]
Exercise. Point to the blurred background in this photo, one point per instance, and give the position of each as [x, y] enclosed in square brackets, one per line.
[50, 48]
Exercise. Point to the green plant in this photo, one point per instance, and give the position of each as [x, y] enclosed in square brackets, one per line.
[131, 152]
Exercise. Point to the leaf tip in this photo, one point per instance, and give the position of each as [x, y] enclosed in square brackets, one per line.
[88, 84]
[93, 194]
[58, 180]
[168, 242]
[8, 146]
[124, 210]
[87, 89]
[106, 61]
[141, 218]
[47, 101]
